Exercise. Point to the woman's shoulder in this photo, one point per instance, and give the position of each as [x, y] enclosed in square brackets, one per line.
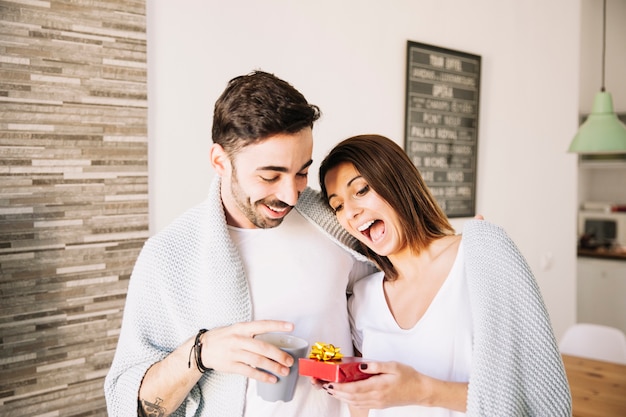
[449, 243]
[445, 249]
[488, 245]
[482, 232]
[476, 225]
[368, 283]
[367, 296]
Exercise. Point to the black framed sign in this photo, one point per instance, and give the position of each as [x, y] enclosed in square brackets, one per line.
[441, 129]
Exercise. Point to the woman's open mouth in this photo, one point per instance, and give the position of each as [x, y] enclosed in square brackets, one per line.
[373, 230]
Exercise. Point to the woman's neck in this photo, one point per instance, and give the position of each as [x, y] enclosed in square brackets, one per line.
[414, 266]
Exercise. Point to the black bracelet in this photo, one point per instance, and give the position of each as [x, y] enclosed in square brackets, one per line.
[197, 350]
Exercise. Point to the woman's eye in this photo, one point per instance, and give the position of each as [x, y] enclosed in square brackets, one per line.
[363, 190]
[337, 208]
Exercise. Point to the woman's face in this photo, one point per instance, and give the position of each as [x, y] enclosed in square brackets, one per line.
[362, 211]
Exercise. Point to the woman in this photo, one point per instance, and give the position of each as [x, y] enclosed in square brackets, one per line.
[453, 325]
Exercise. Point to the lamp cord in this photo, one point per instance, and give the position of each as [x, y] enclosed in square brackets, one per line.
[603, 43]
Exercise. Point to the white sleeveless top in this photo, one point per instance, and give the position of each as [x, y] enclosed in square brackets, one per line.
[439, 345]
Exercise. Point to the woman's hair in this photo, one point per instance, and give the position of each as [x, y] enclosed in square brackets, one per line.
[389, 171]
[256, 106]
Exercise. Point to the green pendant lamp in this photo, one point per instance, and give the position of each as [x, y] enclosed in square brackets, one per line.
[602, 132]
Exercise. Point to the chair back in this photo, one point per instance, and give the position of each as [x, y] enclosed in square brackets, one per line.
[594, 341]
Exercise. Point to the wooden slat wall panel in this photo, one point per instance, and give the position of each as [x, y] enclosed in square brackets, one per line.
[73, 196]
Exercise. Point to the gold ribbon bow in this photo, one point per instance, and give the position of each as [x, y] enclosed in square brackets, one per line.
[325, 352]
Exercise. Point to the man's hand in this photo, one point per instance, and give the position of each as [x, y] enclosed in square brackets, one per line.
[233, 349]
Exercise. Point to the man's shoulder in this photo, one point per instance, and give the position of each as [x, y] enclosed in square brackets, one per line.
[193, 221]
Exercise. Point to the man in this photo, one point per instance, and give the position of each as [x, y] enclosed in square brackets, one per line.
[262, 254]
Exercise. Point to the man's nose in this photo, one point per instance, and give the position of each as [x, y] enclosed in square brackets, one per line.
[288, 192]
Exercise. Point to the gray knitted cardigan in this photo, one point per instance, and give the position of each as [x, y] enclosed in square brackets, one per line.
[517, 369]
[190, 276]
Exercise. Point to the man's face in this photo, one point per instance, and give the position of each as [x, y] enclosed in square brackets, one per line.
[261, 184]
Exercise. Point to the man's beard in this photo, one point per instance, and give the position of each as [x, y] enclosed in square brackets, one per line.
[245, 205]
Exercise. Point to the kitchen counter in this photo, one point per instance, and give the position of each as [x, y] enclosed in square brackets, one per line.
[602, 253]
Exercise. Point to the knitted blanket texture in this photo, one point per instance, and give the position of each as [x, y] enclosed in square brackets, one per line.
[517, 369]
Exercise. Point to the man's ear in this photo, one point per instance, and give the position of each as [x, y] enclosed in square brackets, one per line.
[219, 159]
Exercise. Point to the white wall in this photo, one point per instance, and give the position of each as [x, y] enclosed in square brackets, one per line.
[348, 57]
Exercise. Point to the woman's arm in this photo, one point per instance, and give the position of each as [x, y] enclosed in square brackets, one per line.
[358, 412]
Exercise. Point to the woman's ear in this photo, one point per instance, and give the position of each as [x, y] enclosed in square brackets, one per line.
[219, 159]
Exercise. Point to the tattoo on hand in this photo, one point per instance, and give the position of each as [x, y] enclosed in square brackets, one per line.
[148, 409]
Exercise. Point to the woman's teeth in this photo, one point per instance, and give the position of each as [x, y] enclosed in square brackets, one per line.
[365, 226]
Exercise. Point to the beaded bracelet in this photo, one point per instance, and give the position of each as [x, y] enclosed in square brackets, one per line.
[197, 349]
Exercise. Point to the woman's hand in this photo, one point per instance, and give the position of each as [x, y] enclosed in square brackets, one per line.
[394, 384]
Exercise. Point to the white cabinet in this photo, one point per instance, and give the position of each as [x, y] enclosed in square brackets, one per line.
[602, 292]
[602, 180]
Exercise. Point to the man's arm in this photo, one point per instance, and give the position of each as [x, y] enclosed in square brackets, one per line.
[230, 349]
[168, 382]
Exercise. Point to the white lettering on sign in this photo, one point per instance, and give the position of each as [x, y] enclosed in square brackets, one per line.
[436, 162]
[458, 79]
[443, 148]
[438, 105]
[442, 90]
[462, 107]
[462, 150]
[422, 147]
[428, 175]
[437, 191]
[424, 73]
[423, 132]
[446, 134]
[417, 161]
[455, 176]
[433, 119]
[454, 64]
[437, 61]
[464, 191]
[452, 120]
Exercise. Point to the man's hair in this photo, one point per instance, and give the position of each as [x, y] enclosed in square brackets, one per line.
[391, 174]
[256, 106]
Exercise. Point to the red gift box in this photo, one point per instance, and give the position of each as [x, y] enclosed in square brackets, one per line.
[345, 369]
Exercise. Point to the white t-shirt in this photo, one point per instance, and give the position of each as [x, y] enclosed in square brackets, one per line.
[296, 273]
[439, 345]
